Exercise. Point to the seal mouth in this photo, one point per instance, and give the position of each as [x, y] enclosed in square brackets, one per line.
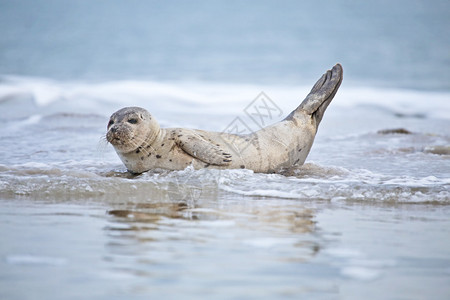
[117, 137]
[111, 137]
[116, 141]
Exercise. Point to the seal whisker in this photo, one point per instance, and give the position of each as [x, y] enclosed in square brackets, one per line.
[139, 148]
[102, 144]
[138, 145]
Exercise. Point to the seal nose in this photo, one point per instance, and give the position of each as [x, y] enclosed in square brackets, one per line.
[113, 129]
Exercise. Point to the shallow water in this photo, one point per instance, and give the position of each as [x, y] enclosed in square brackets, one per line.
[365, 217]
[224, 247]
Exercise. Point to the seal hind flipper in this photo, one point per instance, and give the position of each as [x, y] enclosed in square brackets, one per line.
[321, 94]
[324, 90]
[203, 150]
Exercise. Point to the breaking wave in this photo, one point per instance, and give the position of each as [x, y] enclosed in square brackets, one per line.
[310, 182]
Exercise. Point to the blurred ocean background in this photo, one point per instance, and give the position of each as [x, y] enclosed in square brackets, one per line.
[400, 44]
[365, 217]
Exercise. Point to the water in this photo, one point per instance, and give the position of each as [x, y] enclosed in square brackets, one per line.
[378, 42]
[366, 216]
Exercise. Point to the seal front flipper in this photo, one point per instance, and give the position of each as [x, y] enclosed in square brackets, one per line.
[198, 147]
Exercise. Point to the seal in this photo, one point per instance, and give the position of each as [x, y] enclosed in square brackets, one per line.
[142, 145]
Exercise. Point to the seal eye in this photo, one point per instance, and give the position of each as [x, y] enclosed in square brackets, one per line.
[110, 122]
[132, 121]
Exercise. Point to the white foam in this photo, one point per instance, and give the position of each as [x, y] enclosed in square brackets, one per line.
[402, 101]
[31, 120]
[231, 98]
[356, 185]
[33, 165]
[412, 181]
[43, 91]
[272, 193]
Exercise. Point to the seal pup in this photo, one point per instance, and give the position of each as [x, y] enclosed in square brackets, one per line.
[142, 145]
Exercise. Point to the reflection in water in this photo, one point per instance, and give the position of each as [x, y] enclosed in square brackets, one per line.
[179, 238]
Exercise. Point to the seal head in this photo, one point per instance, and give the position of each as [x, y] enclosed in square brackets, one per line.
[131, 127]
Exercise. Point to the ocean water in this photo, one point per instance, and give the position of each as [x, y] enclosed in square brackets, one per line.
[366, 216]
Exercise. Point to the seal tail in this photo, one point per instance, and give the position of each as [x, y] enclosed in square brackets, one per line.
[321, 94]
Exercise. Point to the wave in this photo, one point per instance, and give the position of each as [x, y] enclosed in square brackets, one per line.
[315, 182]
[311, 183]
[189, 96]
